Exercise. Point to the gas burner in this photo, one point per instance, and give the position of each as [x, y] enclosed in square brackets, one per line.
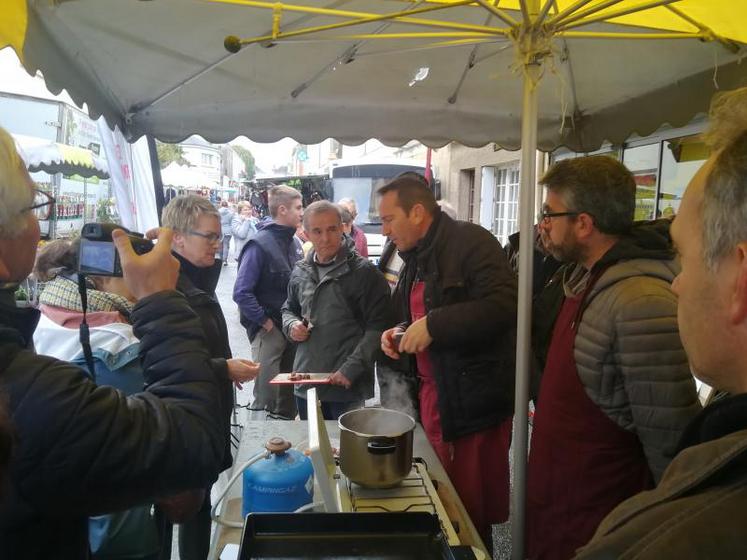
[416, 493]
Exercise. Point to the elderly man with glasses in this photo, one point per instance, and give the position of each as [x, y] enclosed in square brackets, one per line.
[197, 238]
[616, 390]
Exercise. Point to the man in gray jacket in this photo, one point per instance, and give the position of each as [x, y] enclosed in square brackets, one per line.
[616, 390]
[337, 308]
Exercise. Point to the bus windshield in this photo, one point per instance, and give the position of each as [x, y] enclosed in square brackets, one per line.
[361, 183]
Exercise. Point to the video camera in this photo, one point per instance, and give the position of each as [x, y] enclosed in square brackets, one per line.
[98, 256]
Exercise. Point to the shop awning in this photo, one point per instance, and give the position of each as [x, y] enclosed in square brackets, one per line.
[53, 157]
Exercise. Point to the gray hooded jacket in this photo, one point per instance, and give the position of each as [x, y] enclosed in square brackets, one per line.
[628, 351]
[348, 310]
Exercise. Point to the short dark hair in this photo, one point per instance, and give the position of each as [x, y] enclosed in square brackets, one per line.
[597, 185]
[411, 191]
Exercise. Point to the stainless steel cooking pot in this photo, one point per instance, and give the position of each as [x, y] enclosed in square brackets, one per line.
[376, 446]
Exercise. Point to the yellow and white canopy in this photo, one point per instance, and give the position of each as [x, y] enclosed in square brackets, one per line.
[434, 70]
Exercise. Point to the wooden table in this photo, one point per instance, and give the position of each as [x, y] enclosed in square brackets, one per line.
[256, 433]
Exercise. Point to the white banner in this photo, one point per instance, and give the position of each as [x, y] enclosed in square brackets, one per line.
[131, 179]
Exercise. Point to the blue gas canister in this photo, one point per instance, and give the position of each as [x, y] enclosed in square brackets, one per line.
[281, 482]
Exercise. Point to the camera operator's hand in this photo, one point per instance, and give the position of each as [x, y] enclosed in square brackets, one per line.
[151, 273]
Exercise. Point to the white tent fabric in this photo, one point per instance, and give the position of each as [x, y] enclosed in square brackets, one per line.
[175, 175]
[161, 68]
[131, 179]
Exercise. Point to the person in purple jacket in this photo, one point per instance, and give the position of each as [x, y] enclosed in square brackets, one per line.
[265, 265]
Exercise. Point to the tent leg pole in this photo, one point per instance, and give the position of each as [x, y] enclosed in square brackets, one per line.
[524, 310]
[157, 181]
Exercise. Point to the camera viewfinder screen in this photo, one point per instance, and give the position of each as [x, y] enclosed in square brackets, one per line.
[97, 257]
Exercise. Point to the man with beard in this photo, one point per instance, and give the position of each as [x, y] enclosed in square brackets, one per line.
[616, 390]
[699, 509]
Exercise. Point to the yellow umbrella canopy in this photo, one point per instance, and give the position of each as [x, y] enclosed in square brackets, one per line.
[396, 70]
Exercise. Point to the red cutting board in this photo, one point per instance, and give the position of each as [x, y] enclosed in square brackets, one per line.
[315, 379]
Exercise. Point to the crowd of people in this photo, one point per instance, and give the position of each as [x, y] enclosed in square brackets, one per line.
[624, 461]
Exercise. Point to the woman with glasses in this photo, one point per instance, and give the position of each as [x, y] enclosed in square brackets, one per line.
[197, 238]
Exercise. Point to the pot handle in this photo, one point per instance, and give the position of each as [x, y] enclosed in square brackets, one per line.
[381, 445]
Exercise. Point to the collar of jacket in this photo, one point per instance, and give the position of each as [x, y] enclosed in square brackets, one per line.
[645, 240]
[202, 278]
[717, 420]
[344, 255]
[426, 245]
[276, 228]
[22, 321]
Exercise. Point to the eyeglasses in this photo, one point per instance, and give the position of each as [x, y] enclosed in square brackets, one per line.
[544, 217]
[210, 237]
[42, 205]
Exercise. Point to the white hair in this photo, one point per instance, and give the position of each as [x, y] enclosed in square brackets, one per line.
[15, 195]
[183, 213]
[724, 207]
[350, 204]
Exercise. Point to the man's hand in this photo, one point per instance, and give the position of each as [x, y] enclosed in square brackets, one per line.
[268, 325]
[151, 273]
[299, 332]
[240, 370]
[337, 378]
[417, 338]
[389, 344]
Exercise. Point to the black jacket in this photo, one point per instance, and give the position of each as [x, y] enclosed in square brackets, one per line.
[470, 297]
[198, 286]
[82, 450]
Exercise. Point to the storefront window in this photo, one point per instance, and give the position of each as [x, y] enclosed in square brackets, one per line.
[506, 200]
[643, 162]
[680, 159]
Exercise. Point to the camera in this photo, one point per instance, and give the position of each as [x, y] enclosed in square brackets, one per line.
[98, 256]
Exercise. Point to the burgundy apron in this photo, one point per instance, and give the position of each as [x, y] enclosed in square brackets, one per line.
[477, 464]
[581, 464]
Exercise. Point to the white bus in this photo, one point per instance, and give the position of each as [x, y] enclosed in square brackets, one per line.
[359, 180]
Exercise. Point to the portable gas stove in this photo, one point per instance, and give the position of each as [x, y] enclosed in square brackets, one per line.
[416, 493]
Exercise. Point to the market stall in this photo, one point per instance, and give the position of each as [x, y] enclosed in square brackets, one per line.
[76, 188]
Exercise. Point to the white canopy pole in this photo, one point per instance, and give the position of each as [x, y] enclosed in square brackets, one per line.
[531, 66]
